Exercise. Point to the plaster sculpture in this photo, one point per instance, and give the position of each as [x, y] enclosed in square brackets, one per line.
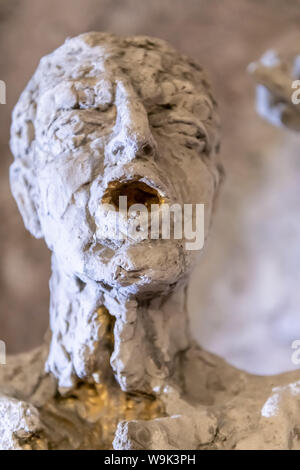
[104, 116]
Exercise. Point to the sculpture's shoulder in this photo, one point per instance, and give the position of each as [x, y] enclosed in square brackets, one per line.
[23, 377]
[20, 426]
[24, 388]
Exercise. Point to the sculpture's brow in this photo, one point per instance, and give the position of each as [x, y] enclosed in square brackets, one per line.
[75, 115]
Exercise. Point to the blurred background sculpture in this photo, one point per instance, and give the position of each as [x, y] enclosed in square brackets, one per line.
[277, 75]
[105, 116]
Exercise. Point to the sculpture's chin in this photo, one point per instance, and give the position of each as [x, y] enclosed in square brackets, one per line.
[148, 266]
[145, 282]
[148, 262]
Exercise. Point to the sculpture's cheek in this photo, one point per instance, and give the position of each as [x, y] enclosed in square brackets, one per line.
[58, 183]
[193, 180]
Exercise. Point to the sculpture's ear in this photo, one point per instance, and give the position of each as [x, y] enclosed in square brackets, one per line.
[22, 181]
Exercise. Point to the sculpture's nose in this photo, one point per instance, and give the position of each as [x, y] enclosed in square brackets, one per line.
[132, 137]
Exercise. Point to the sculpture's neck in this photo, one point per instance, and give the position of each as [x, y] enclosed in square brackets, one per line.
[96, 336]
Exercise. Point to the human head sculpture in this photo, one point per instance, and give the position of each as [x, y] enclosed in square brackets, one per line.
[103, 115]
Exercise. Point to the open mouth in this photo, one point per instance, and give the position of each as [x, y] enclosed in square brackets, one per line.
[137, 192]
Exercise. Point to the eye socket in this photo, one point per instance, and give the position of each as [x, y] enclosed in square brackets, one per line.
[118, 148]
[147, 149]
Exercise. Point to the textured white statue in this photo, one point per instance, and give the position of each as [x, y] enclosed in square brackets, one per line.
[105, 116]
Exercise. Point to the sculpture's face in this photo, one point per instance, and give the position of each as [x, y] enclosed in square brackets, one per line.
[103, 136]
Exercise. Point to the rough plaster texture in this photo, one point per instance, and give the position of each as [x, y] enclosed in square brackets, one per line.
[101, 109]
[239, 264]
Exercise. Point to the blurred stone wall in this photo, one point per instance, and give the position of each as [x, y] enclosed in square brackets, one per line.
[244, 294]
